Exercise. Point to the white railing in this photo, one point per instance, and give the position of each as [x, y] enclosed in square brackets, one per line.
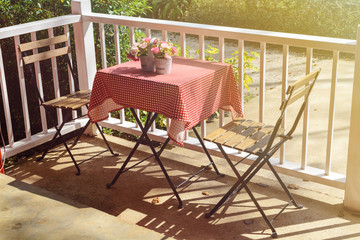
[83, 25]
[309, 43]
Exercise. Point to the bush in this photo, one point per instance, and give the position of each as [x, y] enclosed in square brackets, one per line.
[331, 18]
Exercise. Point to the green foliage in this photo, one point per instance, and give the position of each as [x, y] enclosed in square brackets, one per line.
[234, 62]
[22, 11]
[170, 9]
[332, 18]
[179, 52]
[121, 7]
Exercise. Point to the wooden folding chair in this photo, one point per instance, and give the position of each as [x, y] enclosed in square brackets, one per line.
[40, 50]
[261, 140]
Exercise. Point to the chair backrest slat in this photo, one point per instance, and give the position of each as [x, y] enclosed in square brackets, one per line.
[303, 92]
[42, 43]
[46, 55]
[46, 51]
[303, 81]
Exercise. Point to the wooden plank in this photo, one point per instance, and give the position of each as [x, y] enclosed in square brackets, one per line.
[252, 139]
[46, 55]
[71, 101]
[258, 146]
[220, 131]
[232, 132]
[298, 95]
[42, 43]
[241, 136]
[304, 80]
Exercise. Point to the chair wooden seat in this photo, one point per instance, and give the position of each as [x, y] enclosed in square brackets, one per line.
[244, 135]
[71, 101]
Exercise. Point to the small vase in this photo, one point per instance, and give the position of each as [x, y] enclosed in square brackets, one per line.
[147, 63]
[163, 66]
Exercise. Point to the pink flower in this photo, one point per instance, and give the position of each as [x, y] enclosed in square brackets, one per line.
[155, 50]
[167, 57]
[134, 51]
[131, 57]
[147, 39]
[163, 45]
[143, 45]
[174, 50]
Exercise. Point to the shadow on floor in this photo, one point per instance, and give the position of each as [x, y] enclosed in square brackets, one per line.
[131, 198]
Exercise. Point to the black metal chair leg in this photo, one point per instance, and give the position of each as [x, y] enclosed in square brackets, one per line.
[299, 206]
[51, 143]
[81, 133]
[239, 183]
[71, 156]
[207, 152]
[274, 234]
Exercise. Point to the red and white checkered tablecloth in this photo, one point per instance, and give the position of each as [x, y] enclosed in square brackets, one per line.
[193, 91]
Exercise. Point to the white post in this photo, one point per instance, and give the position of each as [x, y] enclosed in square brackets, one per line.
[352, 190]
[85, 50]
[84, 45]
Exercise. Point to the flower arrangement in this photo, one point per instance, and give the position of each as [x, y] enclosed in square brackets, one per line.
[140, 49]
[164, 50]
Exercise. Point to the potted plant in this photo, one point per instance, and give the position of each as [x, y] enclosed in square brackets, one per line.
[163, 52]
[142, 51]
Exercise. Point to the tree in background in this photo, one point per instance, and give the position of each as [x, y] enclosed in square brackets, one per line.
[170, 9]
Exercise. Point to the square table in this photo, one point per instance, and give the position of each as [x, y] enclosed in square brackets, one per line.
[191, 93]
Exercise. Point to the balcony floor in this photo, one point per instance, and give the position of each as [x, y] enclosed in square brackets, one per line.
[46, 200]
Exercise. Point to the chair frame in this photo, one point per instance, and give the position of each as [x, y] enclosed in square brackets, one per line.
[72, 101]
[299, 89]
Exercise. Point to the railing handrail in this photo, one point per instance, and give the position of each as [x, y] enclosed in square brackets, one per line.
[29, 27]
[299, 40]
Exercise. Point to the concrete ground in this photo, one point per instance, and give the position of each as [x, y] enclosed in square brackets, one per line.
[46, 200]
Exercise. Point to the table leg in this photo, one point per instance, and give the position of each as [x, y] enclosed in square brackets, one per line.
[121, 170]
[206, 151]
[156, 155]
[144, 135]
